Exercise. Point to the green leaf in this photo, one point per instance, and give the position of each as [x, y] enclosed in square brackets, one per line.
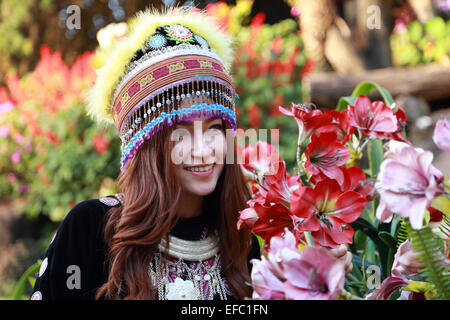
[376, 155]
[367, 87]
[344, 102]
[20, 286]
[432, 258]
[387, 239]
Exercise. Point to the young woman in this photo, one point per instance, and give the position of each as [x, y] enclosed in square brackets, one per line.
[171, 231]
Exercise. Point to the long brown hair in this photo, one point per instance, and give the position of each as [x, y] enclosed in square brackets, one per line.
[150, 195]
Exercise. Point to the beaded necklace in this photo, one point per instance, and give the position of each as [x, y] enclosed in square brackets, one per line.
[192, 272]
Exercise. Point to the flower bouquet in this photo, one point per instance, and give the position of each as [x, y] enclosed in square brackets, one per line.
[358, 182]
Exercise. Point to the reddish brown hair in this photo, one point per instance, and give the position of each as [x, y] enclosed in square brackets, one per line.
[150, 198]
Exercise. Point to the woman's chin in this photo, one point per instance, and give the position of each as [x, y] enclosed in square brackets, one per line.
[202, 190]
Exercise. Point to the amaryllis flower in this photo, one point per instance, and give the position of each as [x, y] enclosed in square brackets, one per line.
[325, 154]
[272, 220]
[261, 158]
[406, 261]
[247, 218]
[401, 123]
[309, 120]
[287, 273]
[342, 121]
[327, 211]
[266, 285]
[389, 286]
[441, 135]
[276, 187]
[317, 275]
[408, 182]
[372, 119]
[354, 179]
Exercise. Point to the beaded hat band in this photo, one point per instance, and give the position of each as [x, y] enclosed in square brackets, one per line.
[150, 80]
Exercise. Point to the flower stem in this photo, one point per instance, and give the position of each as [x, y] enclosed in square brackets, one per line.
[345, 295]
[309, 238]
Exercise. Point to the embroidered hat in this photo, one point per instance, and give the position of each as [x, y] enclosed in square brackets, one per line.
[165, 58]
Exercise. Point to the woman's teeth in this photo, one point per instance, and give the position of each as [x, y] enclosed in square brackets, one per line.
[199, 169]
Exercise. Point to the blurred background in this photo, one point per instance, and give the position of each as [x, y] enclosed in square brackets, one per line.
[53, 156]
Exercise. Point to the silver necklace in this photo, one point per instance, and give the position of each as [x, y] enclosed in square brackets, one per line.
[192, 273]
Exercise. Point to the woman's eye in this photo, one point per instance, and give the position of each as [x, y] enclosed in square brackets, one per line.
[216, 126]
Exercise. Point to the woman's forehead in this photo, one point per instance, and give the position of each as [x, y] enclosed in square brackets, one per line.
[203, 119]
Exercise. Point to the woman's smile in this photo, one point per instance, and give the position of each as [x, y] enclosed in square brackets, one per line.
[201, 170]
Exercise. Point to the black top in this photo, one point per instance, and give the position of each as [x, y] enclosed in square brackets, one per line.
[74, 266]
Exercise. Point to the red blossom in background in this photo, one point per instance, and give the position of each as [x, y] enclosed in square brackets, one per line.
[254, 115]
[100, 143]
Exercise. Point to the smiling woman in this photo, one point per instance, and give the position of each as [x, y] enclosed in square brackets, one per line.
[170, 233]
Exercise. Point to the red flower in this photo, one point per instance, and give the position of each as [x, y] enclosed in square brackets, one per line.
[372, 119]
[327, 211]
[277, 45]
[401, 123]
[259, 158]
[435, 215]
[258, 19]
[100, 143]
[272, 220]
[277, 102]
[254, 115]
[309, 120]
[308, 67]
[324, 154]
[342, 121]
[276, 187]
[52, 138]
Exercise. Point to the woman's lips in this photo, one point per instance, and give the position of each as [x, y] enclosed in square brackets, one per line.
[209, 170]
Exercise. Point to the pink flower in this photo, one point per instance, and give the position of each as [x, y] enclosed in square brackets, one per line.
[287, 273]
[406, 261]
[6, 107]
[266, 285]
[372, 119]
[317, 275]
[4, 131]
[11, 178]
[441, 135]
[261, 158]
[407, 182]
[15, 157]
[388, 288]
[247, 218]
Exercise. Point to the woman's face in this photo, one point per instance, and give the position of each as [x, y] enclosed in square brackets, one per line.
[198, 154]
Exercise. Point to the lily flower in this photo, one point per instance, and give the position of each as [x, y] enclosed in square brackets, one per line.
[441, 135]
[408, 182]
[317, 275]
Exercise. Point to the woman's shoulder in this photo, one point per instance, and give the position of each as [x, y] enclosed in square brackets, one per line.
[91, 211]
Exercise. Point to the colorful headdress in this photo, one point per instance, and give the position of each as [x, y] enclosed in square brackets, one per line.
[165, 58]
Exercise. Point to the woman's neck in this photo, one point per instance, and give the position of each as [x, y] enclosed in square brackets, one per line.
[191, 205]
